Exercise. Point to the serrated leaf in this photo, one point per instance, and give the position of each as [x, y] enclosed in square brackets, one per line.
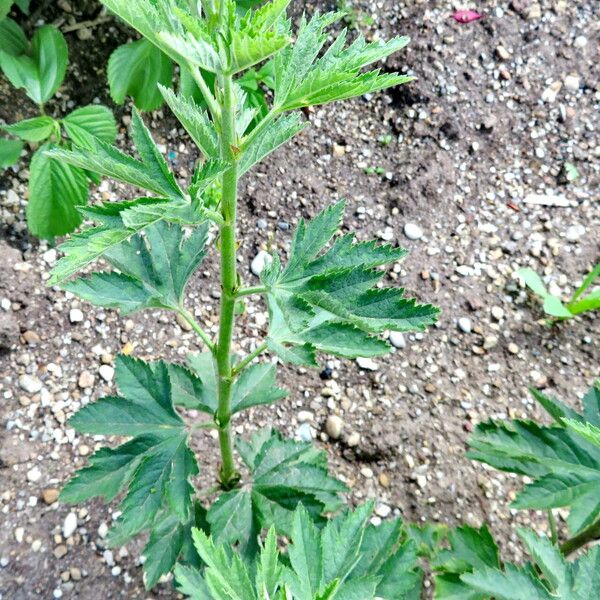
[56, 190]
[95, 120]
[283, 474]
[348, 559]
[277, 133]
[32, 130]
[41, 71]
[565, 467]
[323, 298]
[137, 69]
[586, 430]
[154, 467]
[153, 270]
[554, 578]
[151, 172]
[256, 385]
[195, 121]
[10, 152]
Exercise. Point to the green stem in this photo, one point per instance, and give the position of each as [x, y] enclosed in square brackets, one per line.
[211, 102]
[553, 529]
[246, 361]
[589, 534]
[187, 315]
[255, 289]
[228, 475]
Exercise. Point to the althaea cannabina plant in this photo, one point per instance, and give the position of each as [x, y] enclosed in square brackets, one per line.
[324, 299]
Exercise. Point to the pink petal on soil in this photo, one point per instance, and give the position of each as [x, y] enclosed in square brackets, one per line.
[466, 16]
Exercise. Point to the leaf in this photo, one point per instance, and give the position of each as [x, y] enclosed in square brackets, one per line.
[55, 191]
[151, 172]
[470, 549]
[348, 559]
[153, 270]
[137, 69]
[564, 467]
[323, 299]
[95, 120]
[551, 304]
[10, 152]
[12, 38]
[302, 79]
[283, 473]
[577, 304]
[42, 70]
[555, 578]
[154, 467]
[256, 385]
[277, 133]
[586, 430]
[32, 130]
[196, 122]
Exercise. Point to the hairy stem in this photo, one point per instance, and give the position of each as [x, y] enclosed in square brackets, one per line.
[228, 474]
[255, 289]
[589, 534]
[248, 359]
[187, 315]
[208, 96]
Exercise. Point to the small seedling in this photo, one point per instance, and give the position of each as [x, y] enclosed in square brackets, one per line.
[554, 306]
[56, 189]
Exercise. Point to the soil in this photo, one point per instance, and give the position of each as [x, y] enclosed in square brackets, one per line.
[491, 119]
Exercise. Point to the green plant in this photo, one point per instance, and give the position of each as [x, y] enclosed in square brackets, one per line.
[324, 299]
[562, 461]
[6, 5]
[138, 68]
[56, 189]
[347, 558]
[553, 306]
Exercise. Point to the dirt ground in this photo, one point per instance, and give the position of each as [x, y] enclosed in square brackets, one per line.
[499, 106]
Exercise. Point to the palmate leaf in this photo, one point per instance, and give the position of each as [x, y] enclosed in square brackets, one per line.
[564, 465]
[325, 300]
[154, 467]
[137, 69]
[153, 270]
[554, 578]
[470, 549]
[302, 79]
[283, 473]
[151, 172]
[348, 559]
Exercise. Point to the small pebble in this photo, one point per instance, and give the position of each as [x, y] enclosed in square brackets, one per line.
[29, 383]
[334, 427]
[34, 475]
[513, 348]
[465, 325]
[367, 363]
[260, 261]
[75, 315]
[412, 231]
[397, 339]
[50, 495]
[86, 380]
[70, 525]
[575, 233]
[60, 551]
[497, 313]
[106, 372]
[353, 440]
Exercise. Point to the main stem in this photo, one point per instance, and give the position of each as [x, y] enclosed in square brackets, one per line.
[589, 534]
[228, 475]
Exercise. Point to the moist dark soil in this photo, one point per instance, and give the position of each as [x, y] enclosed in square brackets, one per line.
[498, 107]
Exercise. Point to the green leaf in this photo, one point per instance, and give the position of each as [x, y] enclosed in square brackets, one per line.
[533, 281]
[555, 578]
[153, 270]
[95, 120]
[55, 191]
[32, 130]
[256, 385]
[277, 133]
[564, 467]
[195, 121]
[137, 69]
[302, 79]
[41, 71]
[154, 467]
[204, 367]
[283, 474]
[578, 305]
[10, 152]
[151, 172]
[348, 559]
[470, 549]
[322, 300]
[586, 430]
[12, 38]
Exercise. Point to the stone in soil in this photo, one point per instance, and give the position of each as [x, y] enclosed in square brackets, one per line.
[412, 231]
[334, 427]
[30, 384]
[9, 330]
[70, 525]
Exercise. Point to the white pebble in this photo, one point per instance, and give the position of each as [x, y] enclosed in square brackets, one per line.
[334, 427]
[32, 385]
[572, 82]
[75, 315]
[305, 416]
[107, 373]
[383, 510]
[70, 525]
[367, 363]
[34, 475]
[397, 339]
[260, 261]
[465, 325]
[575, 232]
[412, 231]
